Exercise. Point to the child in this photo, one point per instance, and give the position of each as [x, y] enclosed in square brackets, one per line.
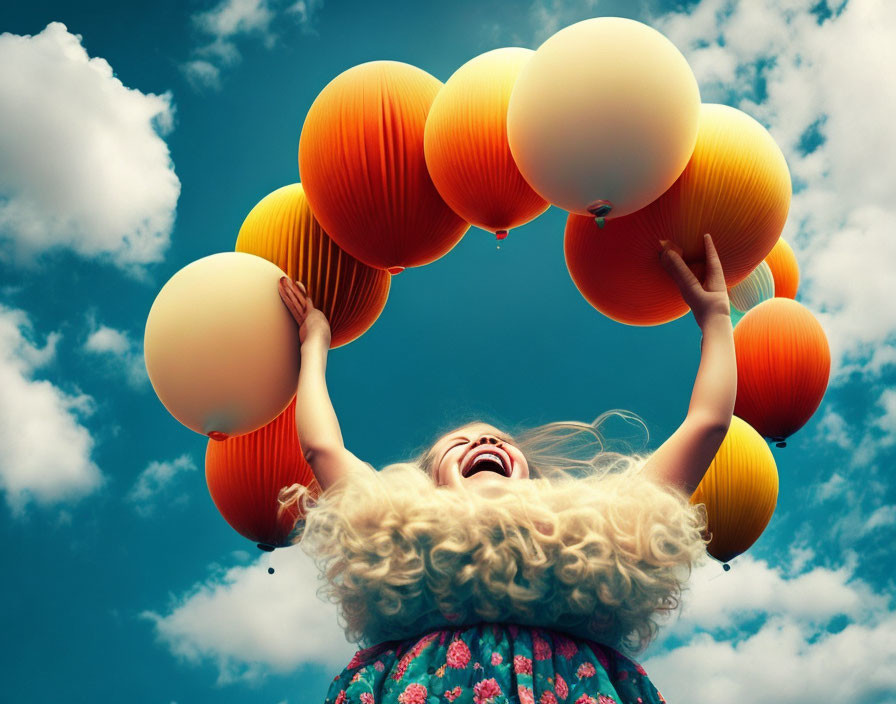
[498, 569]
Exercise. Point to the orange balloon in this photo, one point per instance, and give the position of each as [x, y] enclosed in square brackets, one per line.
[245, 475]
[739, 490]
[363, 168]
[736, 187]
[782, 261]
[282, 229]
[620, 275]
[466, 146]
[783, 366]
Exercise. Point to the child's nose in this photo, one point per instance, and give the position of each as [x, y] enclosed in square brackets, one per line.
[487, 439]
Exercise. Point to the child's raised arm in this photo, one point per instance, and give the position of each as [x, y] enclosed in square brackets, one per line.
[684, 458]
[316, 423]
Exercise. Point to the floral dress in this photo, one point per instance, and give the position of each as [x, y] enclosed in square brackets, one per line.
[491, 663]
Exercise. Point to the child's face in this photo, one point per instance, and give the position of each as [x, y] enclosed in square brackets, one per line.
[478, 457]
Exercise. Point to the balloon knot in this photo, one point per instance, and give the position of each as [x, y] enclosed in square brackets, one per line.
[501, 234]
[395, 270]
[600, 208]
[217, 435]
[266, 547]
[781, 444]
[600, 222]
[270, 570]
[726, 567]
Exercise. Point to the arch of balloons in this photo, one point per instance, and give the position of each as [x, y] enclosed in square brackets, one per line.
[396, 167]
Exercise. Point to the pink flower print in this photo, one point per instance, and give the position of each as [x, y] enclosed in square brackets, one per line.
[356, 676]
[586, 669]
[585, 699]
[526, 695]
[561, 688]
[413, 694]
[477, 666]
[541, 648]
[366, 698]
[340, 698]
[485, 691]
[603, 699]
[547, 698]
[411, 654]
[567, 648]
[453, 694]
[378, 666]
[497, 659]
[522, 665]
[458, 655]
[356, 660]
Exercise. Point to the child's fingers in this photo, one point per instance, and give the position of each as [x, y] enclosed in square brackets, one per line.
[715, 277]
[292, 298]
[679, 271]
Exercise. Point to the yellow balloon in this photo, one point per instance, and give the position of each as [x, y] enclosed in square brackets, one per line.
[604, 115]
[740, 491]
[221, 348]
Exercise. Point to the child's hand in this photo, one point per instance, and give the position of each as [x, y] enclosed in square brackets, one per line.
[706, 300]
[313, 324]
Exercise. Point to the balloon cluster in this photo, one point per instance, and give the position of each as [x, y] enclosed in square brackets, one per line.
[604, 120]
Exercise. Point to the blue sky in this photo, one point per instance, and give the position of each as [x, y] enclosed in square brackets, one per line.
[120, 579]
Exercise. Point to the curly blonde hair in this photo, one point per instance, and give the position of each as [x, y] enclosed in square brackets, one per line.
[588, 545]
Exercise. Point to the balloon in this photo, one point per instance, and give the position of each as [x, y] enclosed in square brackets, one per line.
[784, 268]
[603, 116]
[221, 349]
[736, 187]
[740, 491]
[364, 172]
[622, 279]
[282, 229]
[245, 475]
[783, 365]
[466, 148]
[759, 286]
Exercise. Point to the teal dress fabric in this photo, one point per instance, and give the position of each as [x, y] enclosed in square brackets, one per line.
[492, 663]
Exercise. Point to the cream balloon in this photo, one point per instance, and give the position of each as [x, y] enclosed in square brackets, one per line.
[759, 286]
[222, 351]
[603, 118]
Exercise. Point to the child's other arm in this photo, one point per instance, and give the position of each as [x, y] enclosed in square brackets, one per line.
[684, 458]
[316, 424]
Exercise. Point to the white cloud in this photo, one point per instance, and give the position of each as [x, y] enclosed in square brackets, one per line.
[233, 20]
[887, 421]
[156, 480]
[124, 354]
[248, 622]
[827, 79]
[46, 454]
[821, 634]
[84, 164]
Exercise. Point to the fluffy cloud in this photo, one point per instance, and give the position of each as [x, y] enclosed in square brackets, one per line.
[84, 163]
[249, 622]
[818, 635]
[231, 20]
[46, 453]
[157, 480]
[124, 355]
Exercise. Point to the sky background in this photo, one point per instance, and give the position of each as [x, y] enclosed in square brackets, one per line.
[134, 139]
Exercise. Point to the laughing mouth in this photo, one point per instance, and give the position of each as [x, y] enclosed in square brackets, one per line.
[486, 462]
